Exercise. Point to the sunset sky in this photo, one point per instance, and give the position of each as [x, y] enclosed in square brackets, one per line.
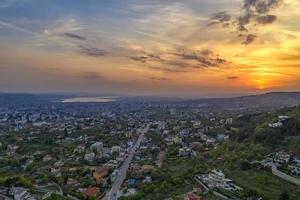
[150, 47]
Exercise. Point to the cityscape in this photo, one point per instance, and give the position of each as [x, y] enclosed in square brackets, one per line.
[149, 100]
[132, 148]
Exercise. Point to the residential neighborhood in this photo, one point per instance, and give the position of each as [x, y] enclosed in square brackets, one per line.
[111, 151]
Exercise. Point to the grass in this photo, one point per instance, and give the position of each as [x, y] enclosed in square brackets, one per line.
[293, 145]
[265, 183]
[262, 182]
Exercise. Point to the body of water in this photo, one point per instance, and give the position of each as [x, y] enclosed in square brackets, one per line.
[89, 100]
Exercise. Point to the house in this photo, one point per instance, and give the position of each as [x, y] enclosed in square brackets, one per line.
[11, 149]
[210, 141]
[115, 149]
[296, 170]
[19, 138]
[147, 180]
[97, 148]
[58, 164]
[279, 123]
[91, 192]
[114, 175]
[197, 124]
[55, 171]
[89, 157]
[217, 179]
[191, 196]
[166, 132]
[72, 181]
[147, 168]
[283, 117]
[228, 121]
[79, 149]
[195, 145]
[281, 157]
[276, 125]
[217, 175]
[47, 158]
[184, 133]
[100, 173]
[184, 152]
[20, 193]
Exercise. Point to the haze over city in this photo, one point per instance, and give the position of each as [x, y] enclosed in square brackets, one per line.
[150, 47]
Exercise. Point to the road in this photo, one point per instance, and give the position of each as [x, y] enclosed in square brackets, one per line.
[284, 176]
[113, 194]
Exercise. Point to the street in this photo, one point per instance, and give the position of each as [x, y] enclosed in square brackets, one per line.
[284, 176]
[113, 194]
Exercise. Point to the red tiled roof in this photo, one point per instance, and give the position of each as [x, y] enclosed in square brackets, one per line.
[91, 192]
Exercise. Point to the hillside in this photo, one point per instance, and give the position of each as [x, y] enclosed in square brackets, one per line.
[266, 101]
[255, 129]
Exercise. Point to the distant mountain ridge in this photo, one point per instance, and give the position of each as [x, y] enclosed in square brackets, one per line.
[267, 101]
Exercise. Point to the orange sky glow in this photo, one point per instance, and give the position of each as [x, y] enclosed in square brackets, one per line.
[181, 48]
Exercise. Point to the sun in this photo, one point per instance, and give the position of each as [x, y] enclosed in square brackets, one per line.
[261, 80]
[262, 87]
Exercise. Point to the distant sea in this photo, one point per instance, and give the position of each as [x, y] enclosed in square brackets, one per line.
[89, 100]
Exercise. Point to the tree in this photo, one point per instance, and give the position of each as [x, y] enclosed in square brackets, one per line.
[284, 196]
[245, 165]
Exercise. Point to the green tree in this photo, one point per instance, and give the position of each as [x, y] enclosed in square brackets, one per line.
[284, 196]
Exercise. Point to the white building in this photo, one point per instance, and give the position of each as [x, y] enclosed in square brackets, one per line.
[97, 148]
[184, 152]
[217, 179]
[114, 175]
[115, 149]
[276, 125]
[89, 157]
[283, 117]
[282, 157]
[20, 193]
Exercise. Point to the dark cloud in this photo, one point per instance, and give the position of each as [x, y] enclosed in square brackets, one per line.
[179, 64]
[232, 77]
[243, 21]
[249, 39]
[267, 19]
[169, 69]
[254, 13]
[180, 60]
[219, 61]
[147, 58]
[92, 76]
[142, 59]
[261, 6]
[208, 59]
[206, 52]
[74, 36]
[92, 51]
[257, 11]
[220, 18]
